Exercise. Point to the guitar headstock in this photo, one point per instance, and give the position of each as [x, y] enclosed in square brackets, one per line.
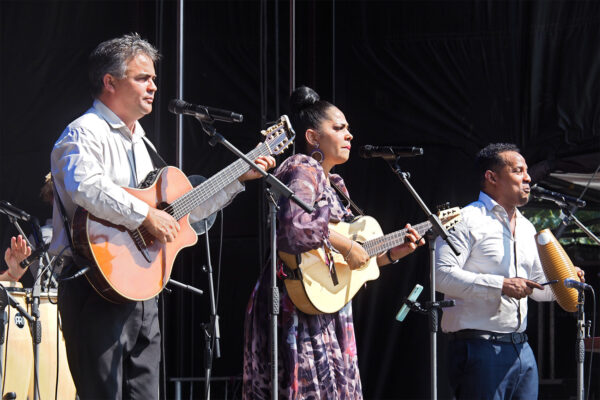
[279, 136]
[449, 216]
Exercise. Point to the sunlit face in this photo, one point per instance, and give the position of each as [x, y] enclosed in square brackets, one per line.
[333, 138]
[510, 183]
[134, 94]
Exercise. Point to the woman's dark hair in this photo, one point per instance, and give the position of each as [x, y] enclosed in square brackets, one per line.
[307, 111]
[489, 158]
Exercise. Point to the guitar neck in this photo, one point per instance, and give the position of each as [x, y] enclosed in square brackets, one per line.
[195, 197]
[381, 244]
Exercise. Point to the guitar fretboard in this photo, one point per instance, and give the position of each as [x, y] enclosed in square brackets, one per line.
[381, 244]
[195, 197]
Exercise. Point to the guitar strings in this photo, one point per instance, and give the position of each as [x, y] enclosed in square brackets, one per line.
[378, 245]
[198, 195]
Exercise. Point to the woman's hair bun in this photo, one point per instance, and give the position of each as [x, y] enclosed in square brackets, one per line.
[303, 97]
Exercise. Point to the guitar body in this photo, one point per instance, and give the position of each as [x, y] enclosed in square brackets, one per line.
[315, 292]
[120, 272]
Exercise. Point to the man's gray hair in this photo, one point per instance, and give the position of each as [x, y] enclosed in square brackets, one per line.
[112, 56]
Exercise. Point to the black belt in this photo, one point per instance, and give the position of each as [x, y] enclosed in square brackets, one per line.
[512, 337]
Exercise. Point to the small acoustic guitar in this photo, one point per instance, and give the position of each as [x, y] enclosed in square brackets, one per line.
[320, 281]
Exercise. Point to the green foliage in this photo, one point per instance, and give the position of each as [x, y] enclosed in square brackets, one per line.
[543, 218]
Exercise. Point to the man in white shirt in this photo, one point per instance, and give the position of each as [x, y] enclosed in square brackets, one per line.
[114, 349]
[497, 270]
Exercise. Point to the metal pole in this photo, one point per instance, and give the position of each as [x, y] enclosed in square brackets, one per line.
[434, 322]
[333, 51]
[580, 348]
[292, 45]
[274, 297]
[179, 91]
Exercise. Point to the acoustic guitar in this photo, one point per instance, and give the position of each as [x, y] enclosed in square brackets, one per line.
[320, 282]
[132, 265]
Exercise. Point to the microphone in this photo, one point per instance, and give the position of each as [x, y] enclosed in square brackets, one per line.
[12, 211]
[177, 106]
[560, 199]
[573, 284]
[33, 256]
[389, 152]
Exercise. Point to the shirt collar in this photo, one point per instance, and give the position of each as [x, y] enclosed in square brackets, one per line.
[491, 204]
[115, 122]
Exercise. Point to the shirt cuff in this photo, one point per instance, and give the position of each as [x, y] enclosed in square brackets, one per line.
[234, 188]
[139, 212]
[492, 284]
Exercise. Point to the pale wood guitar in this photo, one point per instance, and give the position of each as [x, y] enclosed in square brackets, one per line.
[132, 265]
[315, 288]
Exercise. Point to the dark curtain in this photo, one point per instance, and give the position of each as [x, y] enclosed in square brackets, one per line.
[448, 76]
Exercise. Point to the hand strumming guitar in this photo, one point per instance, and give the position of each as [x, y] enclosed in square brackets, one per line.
[354, 254]
[161, 225]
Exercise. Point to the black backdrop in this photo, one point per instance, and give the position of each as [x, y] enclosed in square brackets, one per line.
[448, 76]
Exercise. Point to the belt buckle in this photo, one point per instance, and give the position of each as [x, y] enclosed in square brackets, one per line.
[516, 337]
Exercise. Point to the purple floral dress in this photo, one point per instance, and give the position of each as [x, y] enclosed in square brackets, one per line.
[317, 353]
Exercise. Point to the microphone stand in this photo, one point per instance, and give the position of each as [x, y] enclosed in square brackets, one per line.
[36, 332]
[276, 187]
[212, 334]
[568, 215]
[437, 229]
[34, 318]
[580, 348]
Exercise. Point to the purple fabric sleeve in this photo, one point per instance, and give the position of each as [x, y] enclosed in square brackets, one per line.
[299, 231]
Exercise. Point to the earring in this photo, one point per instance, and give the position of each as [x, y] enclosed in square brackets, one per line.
[317, 154]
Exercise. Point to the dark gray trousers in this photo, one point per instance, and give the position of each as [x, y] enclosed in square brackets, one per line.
[113, 349]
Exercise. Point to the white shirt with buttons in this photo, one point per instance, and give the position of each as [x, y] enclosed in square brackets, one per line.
[489, 253]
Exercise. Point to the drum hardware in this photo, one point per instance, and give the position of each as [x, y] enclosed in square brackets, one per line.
[16, 350]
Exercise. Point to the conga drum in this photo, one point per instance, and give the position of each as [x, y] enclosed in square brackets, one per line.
[18, 347]
[557, 265]
[49, 363]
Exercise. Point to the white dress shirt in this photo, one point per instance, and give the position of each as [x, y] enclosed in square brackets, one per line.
[489, 253]
[95, 156]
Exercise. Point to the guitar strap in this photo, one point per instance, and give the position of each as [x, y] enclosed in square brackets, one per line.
[81, 264]
[63, 214]
[348, 200]
[157, 160]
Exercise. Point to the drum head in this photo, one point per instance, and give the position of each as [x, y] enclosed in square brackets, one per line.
[199, 226]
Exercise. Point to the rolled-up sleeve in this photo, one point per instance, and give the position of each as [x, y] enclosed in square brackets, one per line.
[451, 276]
[78, 161]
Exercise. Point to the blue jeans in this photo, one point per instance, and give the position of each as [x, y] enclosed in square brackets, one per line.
[486, 369]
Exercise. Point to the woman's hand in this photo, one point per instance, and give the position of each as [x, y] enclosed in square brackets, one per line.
[409, 245]
[357, 256]
[354, 254]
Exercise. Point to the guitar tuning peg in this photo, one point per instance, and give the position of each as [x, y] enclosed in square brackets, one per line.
[443, 206]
